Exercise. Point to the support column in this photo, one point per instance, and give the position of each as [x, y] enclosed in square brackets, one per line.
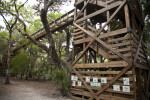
[84, 44]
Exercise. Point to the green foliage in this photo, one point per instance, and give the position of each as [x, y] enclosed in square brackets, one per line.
[3, 43]
[3, 35]
[21, 62]
[36, 25]
[60, 39]
[60, 77]
[53, 16]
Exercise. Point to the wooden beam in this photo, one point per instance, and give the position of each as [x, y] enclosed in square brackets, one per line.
[105, 35]
[127, 17]
[102, 65]
[118, 3]
[99, 50]
[140, 66]
[81, 10]
[139, 83]
[103, 72]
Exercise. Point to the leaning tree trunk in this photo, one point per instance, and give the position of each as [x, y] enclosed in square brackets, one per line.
[8, 59]
[52, 54]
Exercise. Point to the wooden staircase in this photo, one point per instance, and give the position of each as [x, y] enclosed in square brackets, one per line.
[56, 25]
[112, 61]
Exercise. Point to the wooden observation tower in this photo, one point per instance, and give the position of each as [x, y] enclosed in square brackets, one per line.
[110, 60]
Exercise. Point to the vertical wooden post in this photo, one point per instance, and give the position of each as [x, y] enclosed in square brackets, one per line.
[148, 85]
[108, 15]
[74, 47]
[84, 44]
[139, 83]
[133, 70]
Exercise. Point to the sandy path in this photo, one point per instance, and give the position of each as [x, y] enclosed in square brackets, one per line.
[29, 90]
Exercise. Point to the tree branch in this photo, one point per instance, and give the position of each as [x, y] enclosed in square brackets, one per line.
[15, 6]
[26, 34]
[13, 24]
[34, 41]
[23, 4]
[5, 21]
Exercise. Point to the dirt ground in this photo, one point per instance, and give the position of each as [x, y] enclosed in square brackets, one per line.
[29, 90]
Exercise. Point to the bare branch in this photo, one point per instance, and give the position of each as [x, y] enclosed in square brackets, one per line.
[16, 6]
[5, 21]
[23, 4]
[50, 3]
[13, 24]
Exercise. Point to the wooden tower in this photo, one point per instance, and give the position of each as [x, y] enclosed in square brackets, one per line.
[110, 60]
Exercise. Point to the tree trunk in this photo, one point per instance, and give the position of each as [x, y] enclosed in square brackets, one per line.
[8, 59]
[68, 42]
[52, 54]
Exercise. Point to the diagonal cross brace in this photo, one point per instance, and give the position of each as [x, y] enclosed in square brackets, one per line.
[112, 16]
[86, 85]
[103, 43]
[111, 82]
[82, 10]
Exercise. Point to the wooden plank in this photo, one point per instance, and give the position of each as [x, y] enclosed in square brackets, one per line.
[81, 24]
[134, 82]
[76, 30]
[127, 17]
[78, 33]
[77, 37]
[140, 55]
[123, 49]
[118, 3]
[134, 39]
[98, 2]
[102, 72]
[140, 18]
[138, 65]
[108, 78]
[115, 56]
[127, 43]
[141, 59]
[134, 45]
[139, 83]
[103, 96]
[85, 26]
[82, 40]
[81, 10]
[113, 33]
[99, 50]
[126, 37]
[138, 49]
[105, 35]
[92, 28]
[102, 65]
[112, 91]
[102, 84]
